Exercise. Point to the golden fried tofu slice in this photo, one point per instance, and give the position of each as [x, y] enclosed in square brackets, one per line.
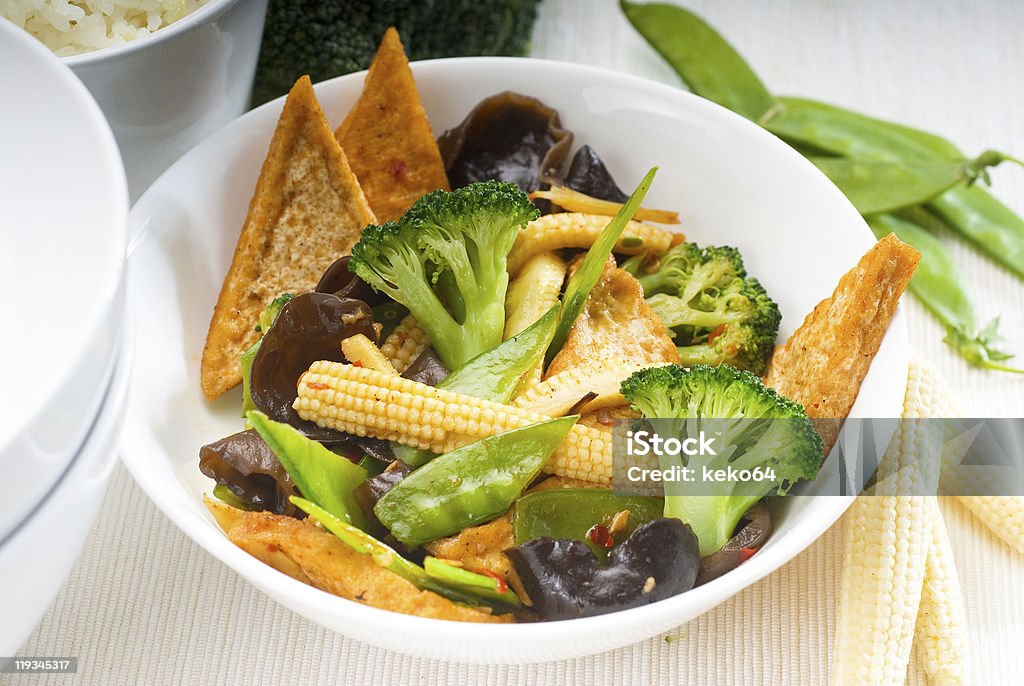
[307, 210]
[304, 551]
[616, 324]
[387, 136]
[479, 548]
[824, 362]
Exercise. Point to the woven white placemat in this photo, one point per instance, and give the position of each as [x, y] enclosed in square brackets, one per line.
[146, 606]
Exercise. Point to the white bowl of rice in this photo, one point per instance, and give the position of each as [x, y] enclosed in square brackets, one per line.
[166, 73]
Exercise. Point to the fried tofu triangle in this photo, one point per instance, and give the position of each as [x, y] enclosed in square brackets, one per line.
[307, 210]
[824, 362]
[306, 552]
[387, 136]
[616, 324]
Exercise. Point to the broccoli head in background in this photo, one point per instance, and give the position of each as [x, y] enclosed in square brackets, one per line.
[753, 427]
[716, 313]
[445, 260]
[327, 38]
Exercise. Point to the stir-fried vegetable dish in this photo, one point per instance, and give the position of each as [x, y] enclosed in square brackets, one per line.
[428, 414]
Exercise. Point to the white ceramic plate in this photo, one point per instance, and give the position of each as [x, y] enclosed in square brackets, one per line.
[732, 183]
[63, 228]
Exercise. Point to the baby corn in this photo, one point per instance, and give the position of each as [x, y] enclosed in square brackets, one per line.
[941, 632]
[366, 402]
[1003, 514]
[530, 294]
[557, 394]
[405, 344]
[887, 538]
[533, 291]
[577, 230]
[361, 349]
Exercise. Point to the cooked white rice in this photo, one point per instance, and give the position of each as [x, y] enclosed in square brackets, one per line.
[70, 28]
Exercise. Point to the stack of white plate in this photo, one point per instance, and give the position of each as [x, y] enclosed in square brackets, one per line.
[64, 354]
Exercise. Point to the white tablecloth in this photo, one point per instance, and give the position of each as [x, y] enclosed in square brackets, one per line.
[146, 606]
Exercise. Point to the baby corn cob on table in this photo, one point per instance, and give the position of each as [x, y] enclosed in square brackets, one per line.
[900, 585]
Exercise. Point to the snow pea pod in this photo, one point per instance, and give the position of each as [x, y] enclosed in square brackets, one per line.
[324, 477]
[840, 131]
[938, 284]
[469, 485]
[972, 212]
[823, 129]
[875, 186]
[988, 224]
[702, 57]
[571, 513]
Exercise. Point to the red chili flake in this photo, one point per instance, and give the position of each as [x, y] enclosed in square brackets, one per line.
[502, 586]
[716, 333]
[357, 363]
[600, 535]
[397, 168]
[272, 549]
[746, 554]
[317, 386]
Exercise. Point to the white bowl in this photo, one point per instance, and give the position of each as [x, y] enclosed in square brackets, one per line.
[732, 182]
[36, 559]
[62, 246]
[165, 92]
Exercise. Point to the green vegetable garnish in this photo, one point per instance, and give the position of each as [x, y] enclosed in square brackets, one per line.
[224, 494]
[326, 478]
[875, 186]
[703, 59]
[814, 128]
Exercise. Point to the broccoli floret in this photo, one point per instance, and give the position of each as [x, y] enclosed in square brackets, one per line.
[716, 313]
[325, 38]
[445, 260]
[673, 268]
[270, 312]
[753, 426]
[736, 325]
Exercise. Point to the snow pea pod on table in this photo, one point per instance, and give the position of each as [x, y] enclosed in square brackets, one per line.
[972, 212]
[816, 128]
[875, 186]
[705, 61]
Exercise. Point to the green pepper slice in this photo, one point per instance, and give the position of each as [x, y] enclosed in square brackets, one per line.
[571, 513]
